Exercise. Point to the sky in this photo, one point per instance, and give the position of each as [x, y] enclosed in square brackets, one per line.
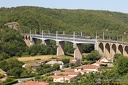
[110, 5]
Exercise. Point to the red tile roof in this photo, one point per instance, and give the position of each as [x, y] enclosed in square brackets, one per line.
[34, 83]
[80, 67]
[69, 77]
[57, 77]
[86, 71]
[67, 73]
[69, 70]
[90, 67]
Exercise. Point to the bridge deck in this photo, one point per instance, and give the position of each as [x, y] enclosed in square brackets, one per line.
[71, 38]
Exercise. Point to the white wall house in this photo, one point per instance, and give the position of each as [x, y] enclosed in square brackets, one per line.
[62, 79]
[73, 74]
[106, 60]
[91, 68]
[52, 62]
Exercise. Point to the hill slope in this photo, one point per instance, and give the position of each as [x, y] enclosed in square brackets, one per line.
[87, 21]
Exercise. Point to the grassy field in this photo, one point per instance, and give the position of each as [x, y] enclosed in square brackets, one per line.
[41, 57]
[45, 57]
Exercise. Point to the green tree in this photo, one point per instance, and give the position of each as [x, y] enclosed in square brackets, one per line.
[37, 77]
[87, 48]
[93, 56]
[66, 60]
[15, 71]
[117, 56]
[121, 66]
[56, 66]
[3, 56]
[12, 66]
[11, 42]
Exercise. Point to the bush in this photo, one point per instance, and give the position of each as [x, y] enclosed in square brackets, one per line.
[93, 56]
[10, 81]
[25, 54]
[1, 75]
[66, 60]
[86, 62]
[3, 56]
[66, 65]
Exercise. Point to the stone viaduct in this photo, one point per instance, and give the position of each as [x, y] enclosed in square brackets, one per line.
[107, 48]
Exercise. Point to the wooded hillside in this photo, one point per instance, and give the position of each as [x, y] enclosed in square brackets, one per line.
[87, 21]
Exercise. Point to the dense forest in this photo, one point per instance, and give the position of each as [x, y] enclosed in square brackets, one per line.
[87, 21]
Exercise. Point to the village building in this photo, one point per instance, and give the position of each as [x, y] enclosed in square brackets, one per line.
[78, 69]
[105, 60]
[33, 65]
[13, 25]
[52, 62]
[63, 79]
[89, 67]
[85, 71]
[108, 61]
[75, 62]
[34, 83]
[69, 70]
[100, 64]
[75, 74]
[3, 72]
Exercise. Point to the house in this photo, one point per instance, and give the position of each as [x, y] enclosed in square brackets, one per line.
[85, 71]
[52, 62]
[75, 74]
[33, 65]
[90, 67]
[13, 25]
[105, 60]
[40, 62]
[100, 64]
[3, 79]
[62, 79]
[69, 70]
[78, 69]
[3, 72]
[75, 62]
[108, 61]
[34, 83]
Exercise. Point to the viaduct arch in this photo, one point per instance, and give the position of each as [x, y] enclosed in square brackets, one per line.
[105, 48]
[108, 49]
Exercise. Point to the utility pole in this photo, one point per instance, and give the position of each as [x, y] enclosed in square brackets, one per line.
[96, 35]
[35, 31]
[63, 32]
[81, 34]
[73, 36]
[56, 34]
[109, 36]
[103, 35]
[42, 34]
[122, 39]
[30, 32]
